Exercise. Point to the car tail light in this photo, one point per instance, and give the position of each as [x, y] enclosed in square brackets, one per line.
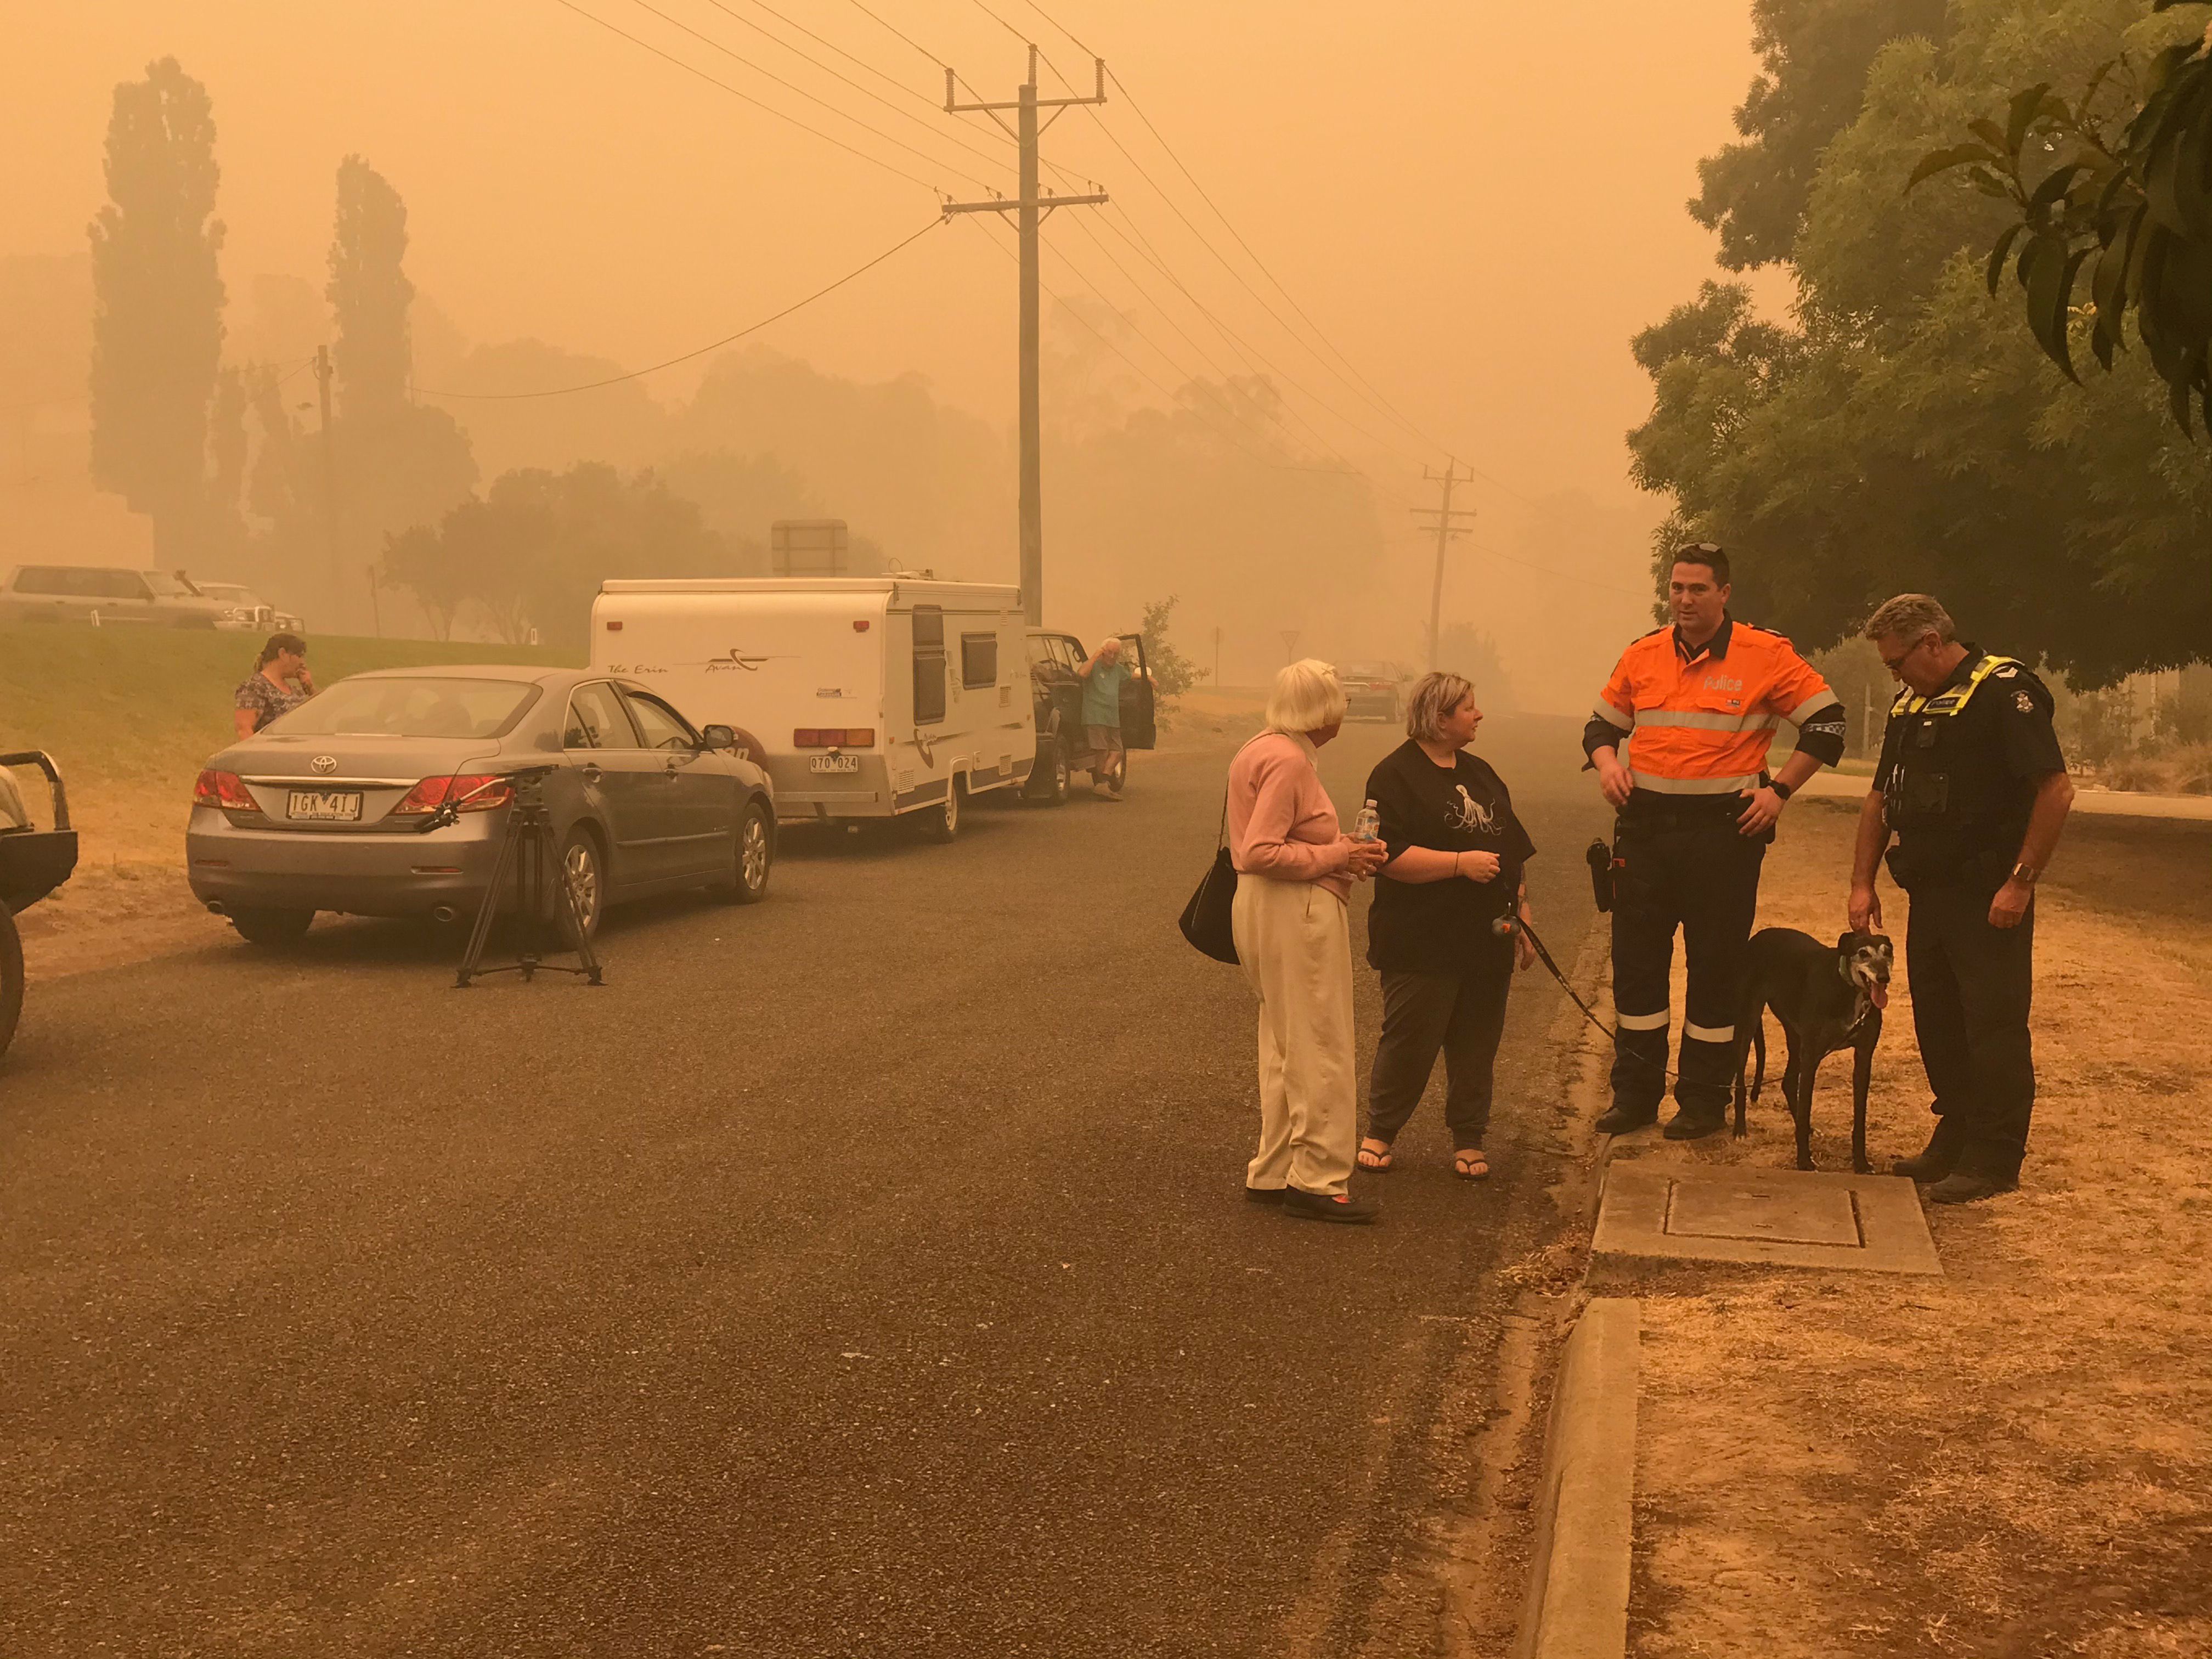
[470, 792]
[223, 789]
[834, 737]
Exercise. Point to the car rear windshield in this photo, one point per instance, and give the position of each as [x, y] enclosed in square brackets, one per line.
[424, 707]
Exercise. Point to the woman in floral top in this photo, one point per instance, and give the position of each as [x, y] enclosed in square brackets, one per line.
[281, 683]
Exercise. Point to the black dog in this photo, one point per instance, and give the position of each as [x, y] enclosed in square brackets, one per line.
[1827, 996]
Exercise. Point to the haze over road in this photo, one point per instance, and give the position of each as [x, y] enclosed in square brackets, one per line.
[862, 1273]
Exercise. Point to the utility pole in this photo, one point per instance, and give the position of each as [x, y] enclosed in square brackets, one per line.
[1291, 637]
[1032, 210]
[1216, 657]
[1447, 527]
[331, 555]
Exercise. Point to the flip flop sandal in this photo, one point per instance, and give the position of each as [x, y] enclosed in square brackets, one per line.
[1380, 1166]
[1470, 1166]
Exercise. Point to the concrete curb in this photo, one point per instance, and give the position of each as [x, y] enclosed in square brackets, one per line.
[1577, 1601]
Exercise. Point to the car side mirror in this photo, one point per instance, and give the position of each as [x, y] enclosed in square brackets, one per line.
[719, 736]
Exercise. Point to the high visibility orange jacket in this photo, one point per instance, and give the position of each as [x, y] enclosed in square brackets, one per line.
[1701, 721]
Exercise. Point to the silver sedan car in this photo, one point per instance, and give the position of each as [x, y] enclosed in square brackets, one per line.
[336, 806]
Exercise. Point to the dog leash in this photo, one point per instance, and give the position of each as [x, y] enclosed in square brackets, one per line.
[1544, 956]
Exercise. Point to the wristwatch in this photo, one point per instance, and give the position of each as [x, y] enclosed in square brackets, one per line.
[1782, 790]
[2025, 874]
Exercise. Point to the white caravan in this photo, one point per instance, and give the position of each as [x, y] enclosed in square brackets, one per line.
[864, 696]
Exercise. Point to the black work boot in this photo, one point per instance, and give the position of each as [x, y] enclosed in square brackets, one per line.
[1968, 1186]
[1936, 1160]
[1622, 1117]
[1695, 1124]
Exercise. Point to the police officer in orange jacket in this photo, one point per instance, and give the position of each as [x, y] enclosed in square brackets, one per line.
[1701, 700]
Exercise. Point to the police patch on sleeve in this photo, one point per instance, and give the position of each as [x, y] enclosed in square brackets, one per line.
[2022, 701]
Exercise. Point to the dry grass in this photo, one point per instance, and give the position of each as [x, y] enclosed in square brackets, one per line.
[2183, 769]
[2015, 1459]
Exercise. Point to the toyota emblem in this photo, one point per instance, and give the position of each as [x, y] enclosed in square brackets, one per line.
[323, 765]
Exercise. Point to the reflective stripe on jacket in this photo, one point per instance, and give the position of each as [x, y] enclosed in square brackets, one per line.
[1702, 726]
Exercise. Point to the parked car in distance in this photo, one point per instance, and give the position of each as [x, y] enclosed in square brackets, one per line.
[105, 594]
[1370, 690]
[1056, 696]
[325, 808]
[244, 609]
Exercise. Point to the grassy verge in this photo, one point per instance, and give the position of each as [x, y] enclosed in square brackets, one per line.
[2016, 1458]
[131, 714]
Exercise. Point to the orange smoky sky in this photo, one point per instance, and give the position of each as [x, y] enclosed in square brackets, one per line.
[1477, 204]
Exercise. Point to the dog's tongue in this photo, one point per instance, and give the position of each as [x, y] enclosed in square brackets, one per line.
[1879, 995]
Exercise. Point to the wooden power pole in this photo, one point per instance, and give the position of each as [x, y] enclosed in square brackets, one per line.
[331, 551]
[1032, 209]
[1447, 527]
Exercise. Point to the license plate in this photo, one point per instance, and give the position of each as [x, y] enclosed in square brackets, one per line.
[328, 805]
[834, 764]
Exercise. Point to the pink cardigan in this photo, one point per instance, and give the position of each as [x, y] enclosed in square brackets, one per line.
[1282, 824]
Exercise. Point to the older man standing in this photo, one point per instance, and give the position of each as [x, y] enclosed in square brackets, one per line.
[1973, 785]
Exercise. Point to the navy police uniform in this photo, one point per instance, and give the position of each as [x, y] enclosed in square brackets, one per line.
[1958, 775]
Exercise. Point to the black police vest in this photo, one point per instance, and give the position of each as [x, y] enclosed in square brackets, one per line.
[1945, 785]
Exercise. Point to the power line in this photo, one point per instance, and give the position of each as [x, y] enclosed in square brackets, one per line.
[865, 92]
[693, 68]
[1062, 27]
[755, 328]
[1228, 379]
[1150, 381]
[813, 98]
[851, 58]
[1003, 23]
[1384, 403]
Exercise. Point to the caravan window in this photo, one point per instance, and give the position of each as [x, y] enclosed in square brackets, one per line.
[929, 676]
[979, 660]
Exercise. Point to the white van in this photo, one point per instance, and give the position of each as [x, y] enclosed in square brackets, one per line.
[868, 696]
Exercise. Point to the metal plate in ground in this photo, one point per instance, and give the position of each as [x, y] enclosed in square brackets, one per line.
[1791, 1217]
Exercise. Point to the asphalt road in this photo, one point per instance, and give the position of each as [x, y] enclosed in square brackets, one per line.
[865, 1272]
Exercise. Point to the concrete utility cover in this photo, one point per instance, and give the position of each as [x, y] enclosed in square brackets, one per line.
[1792, 1218]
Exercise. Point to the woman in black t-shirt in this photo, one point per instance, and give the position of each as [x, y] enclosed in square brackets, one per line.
[1438, 928]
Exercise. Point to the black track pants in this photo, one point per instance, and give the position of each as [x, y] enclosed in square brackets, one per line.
[1971, 985]
[1704, 879]
[1459, 1015]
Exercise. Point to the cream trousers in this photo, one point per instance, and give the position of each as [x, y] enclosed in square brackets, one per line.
[1294, 942]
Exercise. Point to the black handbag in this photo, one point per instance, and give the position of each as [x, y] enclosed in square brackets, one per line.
[1206, 919]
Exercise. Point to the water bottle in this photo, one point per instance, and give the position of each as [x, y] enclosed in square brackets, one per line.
[1368, 826]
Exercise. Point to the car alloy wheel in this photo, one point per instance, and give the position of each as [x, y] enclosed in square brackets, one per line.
[580, 868]
[756, 857]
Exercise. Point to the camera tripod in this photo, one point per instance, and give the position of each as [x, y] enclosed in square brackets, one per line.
[529, 852]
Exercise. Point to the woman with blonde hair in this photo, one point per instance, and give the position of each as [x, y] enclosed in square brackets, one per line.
[1296, 867]
[1442, 929]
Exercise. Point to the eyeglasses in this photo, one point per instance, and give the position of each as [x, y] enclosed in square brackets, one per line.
[1894, 663]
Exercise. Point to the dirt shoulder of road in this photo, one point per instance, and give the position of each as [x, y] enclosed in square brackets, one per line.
[2015, 1459]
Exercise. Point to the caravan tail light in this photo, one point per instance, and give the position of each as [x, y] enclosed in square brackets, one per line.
[834, 737]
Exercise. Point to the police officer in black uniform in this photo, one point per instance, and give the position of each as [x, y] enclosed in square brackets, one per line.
[1972, 784]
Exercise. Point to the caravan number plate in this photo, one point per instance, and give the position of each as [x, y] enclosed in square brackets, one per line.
[834, 763]
[334, 806]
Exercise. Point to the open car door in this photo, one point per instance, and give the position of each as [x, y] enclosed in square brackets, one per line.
[1139, 710]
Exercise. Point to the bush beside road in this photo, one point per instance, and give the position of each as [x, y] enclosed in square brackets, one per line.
[2013, 1459]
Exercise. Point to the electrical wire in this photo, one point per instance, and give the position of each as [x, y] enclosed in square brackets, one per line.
[1003, 23]
[755, 328]
[892, 80]
[693, 68]
[1145, 374]
[865, 92]
[812, 98]
[1194, 380]
[1062, 27]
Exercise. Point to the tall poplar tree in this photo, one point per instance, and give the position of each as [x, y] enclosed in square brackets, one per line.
[157, 304]
[369, 293]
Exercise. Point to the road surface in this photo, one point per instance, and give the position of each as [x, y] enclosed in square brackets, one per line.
[865, 1272]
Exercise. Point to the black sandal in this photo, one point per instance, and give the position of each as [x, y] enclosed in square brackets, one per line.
[1381, 1160]
[1471, 1166]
